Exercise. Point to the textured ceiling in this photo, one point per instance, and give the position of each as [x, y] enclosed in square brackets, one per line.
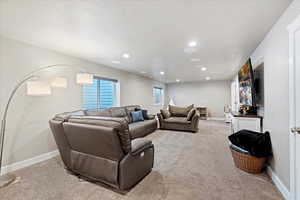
[155, 33]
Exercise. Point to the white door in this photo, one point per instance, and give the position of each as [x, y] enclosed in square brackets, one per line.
[294, 77]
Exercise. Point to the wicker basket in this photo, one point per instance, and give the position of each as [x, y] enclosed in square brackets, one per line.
[247, 162]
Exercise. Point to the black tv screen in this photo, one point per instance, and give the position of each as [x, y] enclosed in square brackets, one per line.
[259, 85]
[246, 84]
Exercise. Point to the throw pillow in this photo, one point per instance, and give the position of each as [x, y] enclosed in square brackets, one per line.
[191, 114]
[130, 109]
[165, 113]
[180, 111]
[144, 112]
[137, 116]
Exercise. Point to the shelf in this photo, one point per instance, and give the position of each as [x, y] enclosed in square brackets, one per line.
[203, 112]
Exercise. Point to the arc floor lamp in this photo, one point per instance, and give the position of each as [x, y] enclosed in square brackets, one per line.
[82, 78]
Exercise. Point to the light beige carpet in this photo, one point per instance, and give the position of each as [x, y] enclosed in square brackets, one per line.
[187, 167]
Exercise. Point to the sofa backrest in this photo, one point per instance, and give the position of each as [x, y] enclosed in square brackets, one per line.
[119, 112]
[177, 111]
[94, 140]
[118, 125]
[97, 112]
[66, 115]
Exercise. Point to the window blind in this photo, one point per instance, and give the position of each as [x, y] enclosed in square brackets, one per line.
[158, 95]
[101, 94]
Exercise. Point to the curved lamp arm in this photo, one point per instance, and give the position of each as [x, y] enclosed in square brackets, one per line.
[27, 77]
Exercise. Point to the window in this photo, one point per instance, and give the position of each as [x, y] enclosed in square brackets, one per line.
[102, 94]
[158, 95]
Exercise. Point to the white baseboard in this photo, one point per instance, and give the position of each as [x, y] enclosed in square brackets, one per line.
[26, 163]
[216, 118]
[278, 183]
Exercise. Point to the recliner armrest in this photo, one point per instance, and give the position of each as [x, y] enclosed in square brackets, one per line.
[139, 145]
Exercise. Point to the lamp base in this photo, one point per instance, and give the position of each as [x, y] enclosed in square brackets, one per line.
[7, 179]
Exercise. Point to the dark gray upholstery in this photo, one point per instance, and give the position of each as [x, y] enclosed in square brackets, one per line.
[101, 145]
[142, 128]
[179, 123]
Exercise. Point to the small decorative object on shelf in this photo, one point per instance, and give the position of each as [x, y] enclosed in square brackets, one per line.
[203, 113]
[248, 110]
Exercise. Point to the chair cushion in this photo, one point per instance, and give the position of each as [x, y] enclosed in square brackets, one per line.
[180, 120]
[165, 113]
[137, 116]
[142, 128]
[180, 111]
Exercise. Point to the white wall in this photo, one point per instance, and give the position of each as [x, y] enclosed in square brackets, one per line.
[28, 133]
[273, 51]
[212, 94]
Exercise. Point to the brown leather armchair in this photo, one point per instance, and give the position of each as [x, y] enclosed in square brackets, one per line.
[101, 149]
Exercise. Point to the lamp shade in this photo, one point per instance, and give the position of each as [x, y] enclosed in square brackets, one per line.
[59, 82]
[84, 79]
[38, 88]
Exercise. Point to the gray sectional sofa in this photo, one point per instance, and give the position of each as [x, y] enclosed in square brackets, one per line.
[105, 146]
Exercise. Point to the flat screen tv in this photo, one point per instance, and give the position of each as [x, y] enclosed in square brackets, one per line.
[246, 85]
[259, 85]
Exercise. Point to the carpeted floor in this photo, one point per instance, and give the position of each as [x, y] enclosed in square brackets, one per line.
[187, 167]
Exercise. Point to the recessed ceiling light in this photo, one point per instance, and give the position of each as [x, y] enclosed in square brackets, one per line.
[195, 59]
[207, 78]
[192, 43]
[126, 55]
[177, 80]
[162, 73]
[116, 62]
[203, 68]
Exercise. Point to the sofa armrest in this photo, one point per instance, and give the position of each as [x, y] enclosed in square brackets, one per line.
[160, 117]
[139, 145]
[133, 168]
[195, 120]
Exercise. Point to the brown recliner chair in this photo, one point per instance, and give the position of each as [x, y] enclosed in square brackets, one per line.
[100, 149]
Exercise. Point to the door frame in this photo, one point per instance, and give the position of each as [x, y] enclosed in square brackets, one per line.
[292, 29]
